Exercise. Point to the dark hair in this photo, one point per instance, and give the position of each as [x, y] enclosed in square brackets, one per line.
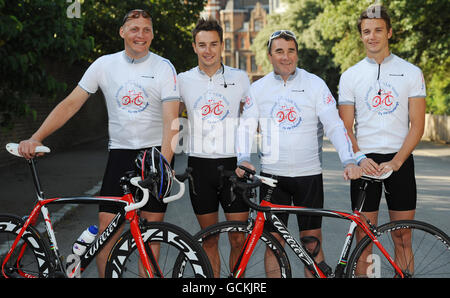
[375, 12]
[207, 25]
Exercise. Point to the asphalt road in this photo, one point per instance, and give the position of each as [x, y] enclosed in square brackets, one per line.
[78, 172]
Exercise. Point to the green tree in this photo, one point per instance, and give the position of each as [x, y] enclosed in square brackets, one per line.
[34, 33]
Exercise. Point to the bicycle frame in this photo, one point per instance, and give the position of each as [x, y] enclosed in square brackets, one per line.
[146, 256]
[266, 212]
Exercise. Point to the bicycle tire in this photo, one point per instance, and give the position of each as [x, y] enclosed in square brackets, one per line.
[255, 267]
[34, 261]
[173, 240]
[430, 252]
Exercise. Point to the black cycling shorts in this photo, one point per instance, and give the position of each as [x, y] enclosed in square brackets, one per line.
[305, 191]
[208, 193]
[119, 162]
[400, 187]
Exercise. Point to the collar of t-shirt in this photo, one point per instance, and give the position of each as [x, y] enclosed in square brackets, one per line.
[133, 60]
[290, 78]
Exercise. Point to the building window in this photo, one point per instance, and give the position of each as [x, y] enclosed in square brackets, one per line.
[242, 42]
[253, 63]
[228, 60]
[227, 44]
[258, 25]
[227, 26]
[243, 62]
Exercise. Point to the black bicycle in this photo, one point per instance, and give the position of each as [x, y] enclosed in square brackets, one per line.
[402, 249]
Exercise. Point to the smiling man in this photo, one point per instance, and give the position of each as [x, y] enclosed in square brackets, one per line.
[142, 99]
[212, 94]
[293, 108]
[383, 98]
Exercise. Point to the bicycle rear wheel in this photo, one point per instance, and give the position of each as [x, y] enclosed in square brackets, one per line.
[419, 249]
[170, 241]
[30, 258]
[256, 266]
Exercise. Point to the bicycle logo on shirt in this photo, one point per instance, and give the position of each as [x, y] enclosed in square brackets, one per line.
[286, 113]
[212, 107]
[382, 99]
[132, 97]
[216, 108]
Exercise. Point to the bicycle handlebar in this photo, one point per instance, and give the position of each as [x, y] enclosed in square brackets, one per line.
[13, 148]
[145, 184]
[255, 181]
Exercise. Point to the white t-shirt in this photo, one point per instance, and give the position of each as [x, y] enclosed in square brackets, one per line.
[134, 91]
[212, 105]
[380, 94]
[292, 117]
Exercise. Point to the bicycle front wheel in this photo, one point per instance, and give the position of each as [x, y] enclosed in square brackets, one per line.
[223, 262]
[30, 259]
[166, 241]
[419, 250]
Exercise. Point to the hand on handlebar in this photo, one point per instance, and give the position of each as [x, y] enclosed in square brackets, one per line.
[27, 148]
[352, 172]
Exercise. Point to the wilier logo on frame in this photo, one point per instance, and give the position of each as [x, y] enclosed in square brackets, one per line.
[74, 9]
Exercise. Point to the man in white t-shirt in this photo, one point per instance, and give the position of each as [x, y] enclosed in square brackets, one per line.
[142, 99]
[383, 98]
[212, 94]
[293, 108]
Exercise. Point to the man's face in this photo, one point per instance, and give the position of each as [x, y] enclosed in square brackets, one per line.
[283, 56]
[137, 35]
[208, 48]
[375, 36]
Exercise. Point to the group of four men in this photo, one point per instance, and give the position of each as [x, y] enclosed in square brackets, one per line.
[291, 108]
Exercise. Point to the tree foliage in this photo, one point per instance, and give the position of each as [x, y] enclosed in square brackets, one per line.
[329, 40]
[34, 33]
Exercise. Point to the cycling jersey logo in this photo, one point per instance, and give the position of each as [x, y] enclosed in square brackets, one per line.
[286, 114]
[329, 99]
[248, 103]
[382, 99]
[213, 107]
[131, 97]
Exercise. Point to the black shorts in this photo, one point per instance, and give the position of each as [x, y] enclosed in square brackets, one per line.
[208, 194]
[305, 191]
[121, 161]
[400, 187]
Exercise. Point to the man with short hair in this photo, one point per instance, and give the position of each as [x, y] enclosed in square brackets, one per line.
[212, 94]
[142, 100]
[383, 98]
[293, 108]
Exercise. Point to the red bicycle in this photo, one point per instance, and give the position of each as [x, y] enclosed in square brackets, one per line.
[27, 253]
[287, 113]
[403, 249]
[213, 107]
[135, 98]
[383, 99]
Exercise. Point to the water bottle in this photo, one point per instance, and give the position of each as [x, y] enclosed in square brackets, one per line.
[86, 238]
